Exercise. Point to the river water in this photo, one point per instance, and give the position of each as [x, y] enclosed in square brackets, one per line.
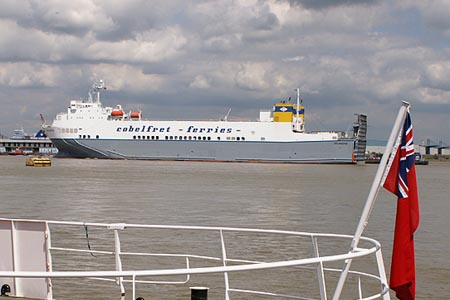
[312, 198]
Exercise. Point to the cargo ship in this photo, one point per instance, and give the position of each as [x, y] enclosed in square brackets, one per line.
[90, 130]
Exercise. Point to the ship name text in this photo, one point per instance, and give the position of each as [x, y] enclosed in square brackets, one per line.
[167, 129]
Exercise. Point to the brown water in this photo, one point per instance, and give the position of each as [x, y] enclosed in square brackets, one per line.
[316, 198]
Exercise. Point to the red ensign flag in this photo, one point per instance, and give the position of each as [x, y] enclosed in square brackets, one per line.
[401, 180]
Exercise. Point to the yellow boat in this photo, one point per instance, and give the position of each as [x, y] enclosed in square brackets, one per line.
[38, 162]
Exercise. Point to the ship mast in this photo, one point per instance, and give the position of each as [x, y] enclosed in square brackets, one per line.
[96, 88]
[297, 124]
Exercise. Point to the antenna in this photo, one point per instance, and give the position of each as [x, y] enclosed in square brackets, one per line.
[43, 125]
[226, 116]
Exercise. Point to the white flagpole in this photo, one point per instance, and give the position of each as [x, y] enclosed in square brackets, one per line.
[372, 194]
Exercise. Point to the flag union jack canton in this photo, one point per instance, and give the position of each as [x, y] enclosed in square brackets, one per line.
[406, 158]
[401, 181]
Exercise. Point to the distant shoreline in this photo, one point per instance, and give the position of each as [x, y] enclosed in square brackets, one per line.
[435, 157]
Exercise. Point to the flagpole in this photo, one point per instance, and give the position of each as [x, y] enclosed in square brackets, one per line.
[372, 194]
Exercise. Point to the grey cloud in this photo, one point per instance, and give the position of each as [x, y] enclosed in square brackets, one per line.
[320, 4]
[163, 68]
[67, 17]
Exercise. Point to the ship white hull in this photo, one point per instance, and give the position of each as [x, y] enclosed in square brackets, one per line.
[338, 151]
[90, 130]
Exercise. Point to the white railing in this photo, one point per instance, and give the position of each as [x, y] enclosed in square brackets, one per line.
[223, 262]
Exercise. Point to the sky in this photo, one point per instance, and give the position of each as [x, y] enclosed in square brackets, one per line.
[190, 60]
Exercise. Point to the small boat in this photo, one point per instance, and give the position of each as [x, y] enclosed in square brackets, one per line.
[420, 160]
[17, 152]
[38, 162]
[373, 160]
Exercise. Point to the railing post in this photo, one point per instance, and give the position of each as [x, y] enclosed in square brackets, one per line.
[49, 263]
[14, 257]
[224, 261]
[119, 280]
[382, 273]
[134, 286]
[117, 251]
[320, 274]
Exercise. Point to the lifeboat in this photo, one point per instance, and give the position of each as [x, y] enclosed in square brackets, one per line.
[117, 113]
[135, 114]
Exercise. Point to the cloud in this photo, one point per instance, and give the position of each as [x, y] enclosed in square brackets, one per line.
[27, 75]
[320, 4]
[436, 14]
[436, 75]
[67, 17]
[200, 82]
[345, 56]
[147, 46]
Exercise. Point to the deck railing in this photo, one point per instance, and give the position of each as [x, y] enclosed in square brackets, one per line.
[12, 269]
